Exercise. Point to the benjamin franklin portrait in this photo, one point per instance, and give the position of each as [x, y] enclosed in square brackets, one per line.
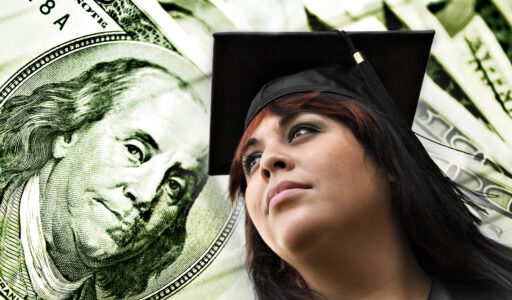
[98, 174]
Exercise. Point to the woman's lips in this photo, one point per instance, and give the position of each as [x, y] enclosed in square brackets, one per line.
[282, 191]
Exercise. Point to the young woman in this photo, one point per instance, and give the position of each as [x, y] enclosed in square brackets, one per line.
[343, 202]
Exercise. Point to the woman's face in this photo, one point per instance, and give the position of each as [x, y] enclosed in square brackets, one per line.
[308, 182]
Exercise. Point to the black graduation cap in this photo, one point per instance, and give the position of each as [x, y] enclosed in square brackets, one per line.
[373, 67]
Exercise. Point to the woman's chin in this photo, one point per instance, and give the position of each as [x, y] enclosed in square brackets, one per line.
[297, 231]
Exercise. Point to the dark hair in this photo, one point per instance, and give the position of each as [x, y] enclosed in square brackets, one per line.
[430, 207]
[29, 125]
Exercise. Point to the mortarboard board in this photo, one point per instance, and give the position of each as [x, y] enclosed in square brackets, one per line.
[371, 66]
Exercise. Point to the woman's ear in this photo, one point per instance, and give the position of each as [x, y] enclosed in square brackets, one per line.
[63, 143]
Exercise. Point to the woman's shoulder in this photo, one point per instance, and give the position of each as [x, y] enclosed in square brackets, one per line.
[469, 290]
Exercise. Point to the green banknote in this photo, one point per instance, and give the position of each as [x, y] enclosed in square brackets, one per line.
[483, 34]
[462, 117]
[104, 133]
[497, 14]
[469, 53]
[470, 157]
[327, 14]
[104, 125]
[438, 115]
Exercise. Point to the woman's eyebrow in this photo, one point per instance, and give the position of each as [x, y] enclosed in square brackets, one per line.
[282, 123]
[250, 142]
[285, 119]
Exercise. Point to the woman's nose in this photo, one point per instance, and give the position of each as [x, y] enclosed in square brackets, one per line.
[274, 160]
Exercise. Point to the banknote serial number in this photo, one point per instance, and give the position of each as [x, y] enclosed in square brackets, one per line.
[47, 6]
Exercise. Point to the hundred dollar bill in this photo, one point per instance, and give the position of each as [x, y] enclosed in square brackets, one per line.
[487, 189]
[457, 58]
[103, 141]
[447, 116]
[473, 158]
[437, 116]
[488, 57]
[464, 162]
[439, 75]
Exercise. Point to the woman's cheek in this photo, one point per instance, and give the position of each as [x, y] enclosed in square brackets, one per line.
[253, 196]
[249, 201]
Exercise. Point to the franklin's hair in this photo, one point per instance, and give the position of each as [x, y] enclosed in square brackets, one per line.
[430, 208]
[30, 124]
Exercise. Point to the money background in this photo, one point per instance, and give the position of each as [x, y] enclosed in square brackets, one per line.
[464, 117]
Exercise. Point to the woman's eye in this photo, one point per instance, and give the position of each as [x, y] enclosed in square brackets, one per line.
[249, 161]
[301, 129]
[135, 152]
[176, 187]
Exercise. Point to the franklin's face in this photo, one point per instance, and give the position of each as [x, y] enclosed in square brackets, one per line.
[122, 180]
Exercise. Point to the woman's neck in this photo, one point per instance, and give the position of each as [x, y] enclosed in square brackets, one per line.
[371, 261]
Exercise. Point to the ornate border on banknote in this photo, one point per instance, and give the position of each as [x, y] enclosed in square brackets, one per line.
[39, 62]
[135, 22]
[205, 260]
[491, 194]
